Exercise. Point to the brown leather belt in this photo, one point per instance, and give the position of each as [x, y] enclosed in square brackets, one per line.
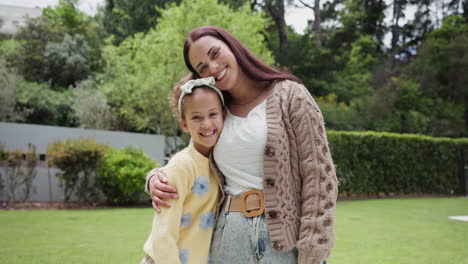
[250, 203]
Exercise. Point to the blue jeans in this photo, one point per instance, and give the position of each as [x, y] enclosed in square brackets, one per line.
[238, 239]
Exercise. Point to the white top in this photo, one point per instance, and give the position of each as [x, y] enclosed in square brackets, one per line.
[239, 151]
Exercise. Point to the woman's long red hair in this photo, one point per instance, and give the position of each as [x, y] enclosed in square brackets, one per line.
[255, 69]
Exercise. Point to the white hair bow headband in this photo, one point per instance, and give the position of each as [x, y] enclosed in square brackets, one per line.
[190, 85]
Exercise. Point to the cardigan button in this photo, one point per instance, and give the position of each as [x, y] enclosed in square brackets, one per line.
[270, 182]
[272, 214]
[277, 246]
[269, 152]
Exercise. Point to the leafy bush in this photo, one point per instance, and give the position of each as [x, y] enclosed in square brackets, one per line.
[22, 101]
[373, 163]
[91, 107]
[43, 105]
[13, 172]
[77, 159]
[20, 170]
[121, 174]
[339, 116]
[30, 172]
[9, 94]
[2, 183]
[10, 51]
[67, 62]
[33, 37]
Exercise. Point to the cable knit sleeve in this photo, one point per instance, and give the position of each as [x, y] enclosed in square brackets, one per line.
[319, 182]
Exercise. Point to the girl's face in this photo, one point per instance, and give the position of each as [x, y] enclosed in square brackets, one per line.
[203, 118]
[210, 56]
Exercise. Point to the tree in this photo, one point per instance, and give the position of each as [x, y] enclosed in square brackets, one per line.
[235, 4]
[316, 26]
[43, 105]
[354, 81]
[8, 95]
[124, 18]
[66, 18]
[440, 68]
[465, 9]
[142, 70]
[353, 19]
[276, 10]
[398, 13]
[91, 107]
[34, 38]
[67, 62]
[53, 27]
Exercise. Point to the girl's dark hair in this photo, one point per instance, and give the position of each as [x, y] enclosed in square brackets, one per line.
[254, 68]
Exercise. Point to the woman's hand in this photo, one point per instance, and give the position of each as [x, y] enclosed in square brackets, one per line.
[159, 190]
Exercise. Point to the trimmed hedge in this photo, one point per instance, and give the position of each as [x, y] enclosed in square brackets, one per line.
[375, 163]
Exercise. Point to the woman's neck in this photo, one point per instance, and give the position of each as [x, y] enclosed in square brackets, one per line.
[246, 92]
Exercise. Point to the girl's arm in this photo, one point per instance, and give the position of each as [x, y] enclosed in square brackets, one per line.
[162, 245]
[158, 189]
[319, 182]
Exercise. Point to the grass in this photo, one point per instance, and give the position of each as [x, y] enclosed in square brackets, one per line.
[373, 231]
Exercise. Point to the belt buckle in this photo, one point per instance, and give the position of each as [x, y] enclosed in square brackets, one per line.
[252, 213]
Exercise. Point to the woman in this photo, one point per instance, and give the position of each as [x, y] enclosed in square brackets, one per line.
[272, 159]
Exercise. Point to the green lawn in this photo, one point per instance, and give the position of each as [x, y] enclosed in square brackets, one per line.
[374, 231]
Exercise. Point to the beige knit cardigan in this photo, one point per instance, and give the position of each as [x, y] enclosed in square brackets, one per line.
[299, 181]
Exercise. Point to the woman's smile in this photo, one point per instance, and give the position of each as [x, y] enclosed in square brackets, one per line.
[220, 76]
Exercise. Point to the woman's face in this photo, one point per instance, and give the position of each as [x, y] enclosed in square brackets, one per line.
[210, 56]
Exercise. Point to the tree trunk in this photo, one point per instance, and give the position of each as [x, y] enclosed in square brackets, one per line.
[276, 10]
[317, 22]
[316, 27]
[395, 27]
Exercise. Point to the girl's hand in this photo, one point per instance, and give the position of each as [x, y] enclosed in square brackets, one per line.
[159, 190]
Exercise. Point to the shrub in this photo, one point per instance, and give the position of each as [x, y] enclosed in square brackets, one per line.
[77, 159]
[9, 94]
[373, 163]
[2, 184]
[67, 62]
[121, 174]
[19, 170]
[30, 172]
[43, 105]
[13, 172]
[91, 107]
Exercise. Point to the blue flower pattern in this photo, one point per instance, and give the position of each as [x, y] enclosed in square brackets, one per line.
[186, 220]
[183, 255]
[201, 186]
[207, 220]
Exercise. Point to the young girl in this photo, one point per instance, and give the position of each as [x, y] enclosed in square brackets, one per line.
[183, 233]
